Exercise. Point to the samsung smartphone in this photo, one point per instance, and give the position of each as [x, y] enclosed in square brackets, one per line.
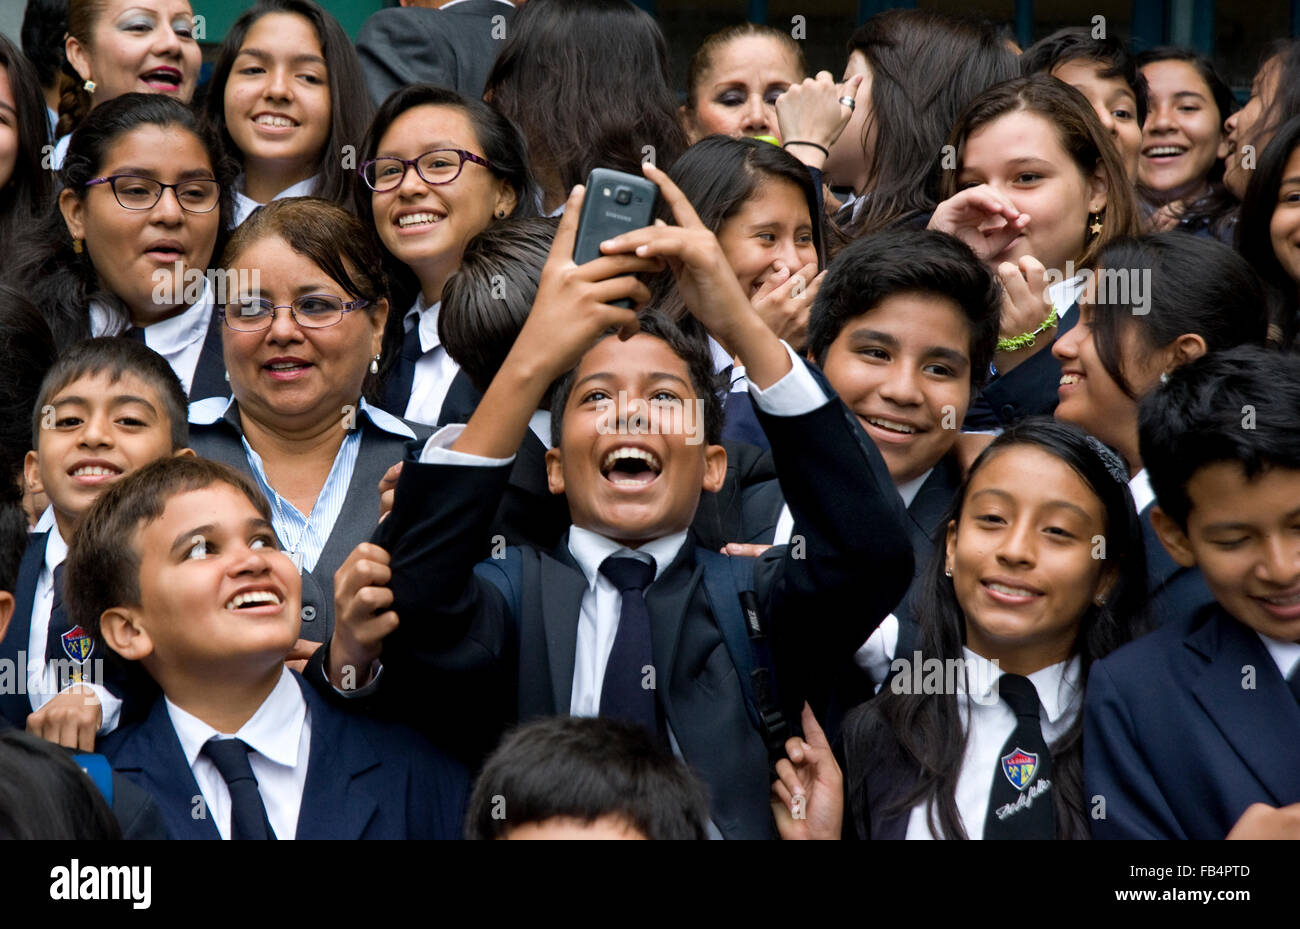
[615, 203]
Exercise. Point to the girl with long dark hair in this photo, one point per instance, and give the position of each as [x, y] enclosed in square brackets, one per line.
[25, 188]
[1268, 233]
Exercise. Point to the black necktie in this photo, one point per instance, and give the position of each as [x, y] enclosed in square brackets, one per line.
[77, 647]
[135, 334]
[628, 690]
[397, 395]
[1022, 787]
[247, 812]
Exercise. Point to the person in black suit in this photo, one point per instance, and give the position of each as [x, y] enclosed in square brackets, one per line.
[979, 735]
[178, 571]
[1026, 226]
[1181, 296]
[452, 44]
[1193, 732]
[110, 262]
[634, 428]
[299, 420]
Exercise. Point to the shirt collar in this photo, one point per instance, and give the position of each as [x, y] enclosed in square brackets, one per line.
[274, 731]
[56, 549]
[171, 335]
[246, 205]
[1057, 685]
[427, 319]
[909, 489]
[211, 410]
[1140, 486]
[1286, 655]
[590, 549]
[1065, 294]
[721, 360]
[540, 424]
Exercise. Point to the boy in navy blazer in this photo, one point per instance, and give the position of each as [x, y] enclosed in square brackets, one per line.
[565, 632]
[177, 568]
[1193, 732]
[107, 407]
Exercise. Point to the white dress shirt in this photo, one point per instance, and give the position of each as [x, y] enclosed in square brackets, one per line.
[1139, 486]
[988, 723]
[178, 338]
[280, 736]
[1285, 654]
[435, 370]
[245, 205]
[42, 676]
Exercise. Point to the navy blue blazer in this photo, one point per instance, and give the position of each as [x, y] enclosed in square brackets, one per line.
[1173, 591]
[461, 657]
[1029, 389]
[1185, 728]
[16, 707]
[366, 779]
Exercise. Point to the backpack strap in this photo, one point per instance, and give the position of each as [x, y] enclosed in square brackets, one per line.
[98, 770]
[729, 584]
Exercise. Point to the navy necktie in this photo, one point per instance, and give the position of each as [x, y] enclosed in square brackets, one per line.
[397, 395]
[76, 648]
[247, 812]
[1022, 789]
[628, 690]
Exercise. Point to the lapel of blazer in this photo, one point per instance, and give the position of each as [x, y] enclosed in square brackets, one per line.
[14, 705]
[153, 750]
[1261, 723]
[562, 586]
[334, 805]
[210, 372]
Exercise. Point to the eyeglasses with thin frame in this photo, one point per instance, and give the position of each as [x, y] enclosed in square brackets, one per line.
[440, 166]
[311, 311]
[134, 192]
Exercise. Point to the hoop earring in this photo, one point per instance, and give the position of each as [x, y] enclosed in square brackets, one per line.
[89, 87]
[374, 365]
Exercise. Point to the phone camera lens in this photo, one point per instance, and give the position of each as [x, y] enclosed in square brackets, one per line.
[623, 196]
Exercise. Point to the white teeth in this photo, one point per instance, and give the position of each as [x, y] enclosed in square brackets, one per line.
[285, 365]
[253, 596]
[416, 219]
[1069, 379]
[1011, 591]
[1159, 151]
[1283, 601]
[93, 471]
[890, 425]
[279, 122]
[637, 453]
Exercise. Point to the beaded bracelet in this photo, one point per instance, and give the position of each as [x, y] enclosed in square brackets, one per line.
[1026, 339]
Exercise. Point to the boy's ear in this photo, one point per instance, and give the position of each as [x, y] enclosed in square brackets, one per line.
[72, 208]
[715, 467]
[1173, 538]
[6, 612]
[555, 471]
[121, 630]
[32, 473]
[185, 452]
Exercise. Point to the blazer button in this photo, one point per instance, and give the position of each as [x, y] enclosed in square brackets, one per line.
[1008, 411]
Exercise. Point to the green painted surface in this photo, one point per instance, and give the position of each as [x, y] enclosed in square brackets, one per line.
[220, 14]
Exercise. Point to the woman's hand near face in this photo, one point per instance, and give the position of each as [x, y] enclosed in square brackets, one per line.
[785, 300]
[1025, 307]
[985, 221]
[810, 111]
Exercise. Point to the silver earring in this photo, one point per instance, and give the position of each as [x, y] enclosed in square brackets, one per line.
[947, 572]
[227, 377]
[1164, 377]
[374, 365]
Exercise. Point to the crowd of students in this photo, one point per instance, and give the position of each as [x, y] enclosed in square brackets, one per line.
[923, 470]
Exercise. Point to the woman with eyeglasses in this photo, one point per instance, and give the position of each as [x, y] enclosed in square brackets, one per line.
[301, 331]
[437, 169]
[140, 216]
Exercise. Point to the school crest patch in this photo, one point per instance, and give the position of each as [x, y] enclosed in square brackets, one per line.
[77, 645]
[1019, 767]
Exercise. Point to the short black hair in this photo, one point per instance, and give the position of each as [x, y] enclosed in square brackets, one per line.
[908, 260]
[44, 794]
[27, 347]
[486, 301]
[103, 564]
[586, 768]
[689, 345]
[1241, 405]
[1077, 43]
[116, 356]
